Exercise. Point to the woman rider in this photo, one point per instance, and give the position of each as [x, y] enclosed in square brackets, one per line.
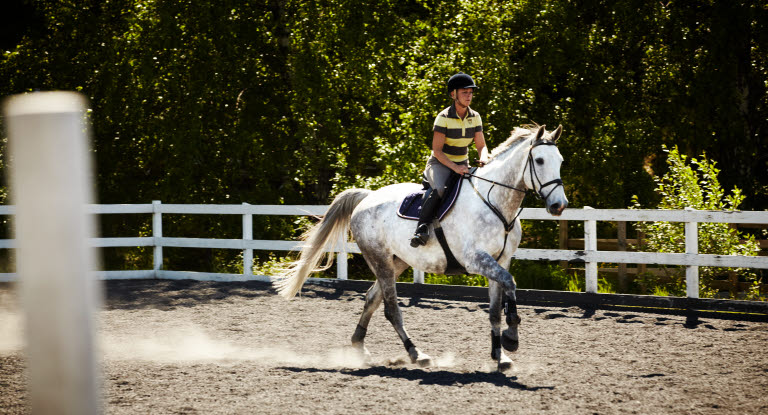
[455, 128]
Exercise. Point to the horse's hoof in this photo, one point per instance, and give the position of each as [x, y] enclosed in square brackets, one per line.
[505, 366]
[508, 342]
[420, 358]
[361, 351]
[504, 362]
[424, 362]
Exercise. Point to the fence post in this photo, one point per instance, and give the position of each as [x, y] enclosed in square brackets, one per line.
[590, 245]
[641, 268]
[418, 276]
[691, 248]
[341, 258]
[247, 236]
[157, 233]
[621, 239]
[51, 184]
[563, 240]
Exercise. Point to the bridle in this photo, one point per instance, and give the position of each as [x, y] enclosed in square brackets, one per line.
[534, 175]
[508, 226]
[557, 182]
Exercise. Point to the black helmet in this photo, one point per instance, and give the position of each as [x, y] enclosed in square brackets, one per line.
[461, 80]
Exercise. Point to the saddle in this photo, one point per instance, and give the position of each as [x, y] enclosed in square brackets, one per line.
[411, 206]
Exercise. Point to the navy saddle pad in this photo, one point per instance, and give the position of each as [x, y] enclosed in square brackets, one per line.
[411, 205]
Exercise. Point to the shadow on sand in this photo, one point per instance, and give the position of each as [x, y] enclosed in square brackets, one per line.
[428, 377]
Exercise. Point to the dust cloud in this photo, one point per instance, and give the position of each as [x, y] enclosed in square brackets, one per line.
[191, 343]
[187, 343]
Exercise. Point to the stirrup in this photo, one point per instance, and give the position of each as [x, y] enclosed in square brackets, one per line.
[421, 236]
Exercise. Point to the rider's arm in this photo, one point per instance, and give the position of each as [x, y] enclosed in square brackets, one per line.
[482, 149]
[438, 141]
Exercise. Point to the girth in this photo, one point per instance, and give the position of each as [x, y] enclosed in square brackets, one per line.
[452, 267]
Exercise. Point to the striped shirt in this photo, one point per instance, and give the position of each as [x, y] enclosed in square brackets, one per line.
[459, 133]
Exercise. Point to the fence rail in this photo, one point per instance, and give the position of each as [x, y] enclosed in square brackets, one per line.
[590, 255]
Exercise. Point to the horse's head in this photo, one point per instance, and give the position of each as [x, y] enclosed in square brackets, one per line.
[543, 175]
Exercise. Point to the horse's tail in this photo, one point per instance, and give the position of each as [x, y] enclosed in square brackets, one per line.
[321, 237]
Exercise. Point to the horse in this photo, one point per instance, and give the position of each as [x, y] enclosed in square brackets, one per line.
[478, 231]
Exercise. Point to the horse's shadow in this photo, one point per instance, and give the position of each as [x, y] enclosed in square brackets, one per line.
[429, 377]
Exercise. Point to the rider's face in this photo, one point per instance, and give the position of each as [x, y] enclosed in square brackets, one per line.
[463, 96]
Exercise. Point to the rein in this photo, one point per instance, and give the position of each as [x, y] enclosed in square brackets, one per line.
[508, 226]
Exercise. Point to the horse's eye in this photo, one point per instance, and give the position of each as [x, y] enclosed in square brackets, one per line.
[539, 160]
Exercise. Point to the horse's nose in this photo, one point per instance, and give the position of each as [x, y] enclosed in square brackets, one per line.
[557, 208]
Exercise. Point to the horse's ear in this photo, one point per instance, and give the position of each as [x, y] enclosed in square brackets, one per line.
[556, 134]
[540, 133]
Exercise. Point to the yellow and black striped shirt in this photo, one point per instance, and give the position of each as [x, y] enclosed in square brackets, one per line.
[459, 133]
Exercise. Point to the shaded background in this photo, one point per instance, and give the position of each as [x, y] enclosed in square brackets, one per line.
[290, 102]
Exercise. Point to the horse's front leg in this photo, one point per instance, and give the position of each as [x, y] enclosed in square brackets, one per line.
[485, 265]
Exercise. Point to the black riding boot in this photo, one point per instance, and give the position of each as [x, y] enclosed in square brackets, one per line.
[428, 209]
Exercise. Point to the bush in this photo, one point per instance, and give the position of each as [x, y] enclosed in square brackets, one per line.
[695, 184]
[542, 276]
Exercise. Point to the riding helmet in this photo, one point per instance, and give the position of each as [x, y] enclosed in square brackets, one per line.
[460, 80]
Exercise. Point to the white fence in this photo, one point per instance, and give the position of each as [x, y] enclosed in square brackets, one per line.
[691, 259]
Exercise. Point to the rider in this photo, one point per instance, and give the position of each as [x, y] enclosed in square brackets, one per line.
[454, 129]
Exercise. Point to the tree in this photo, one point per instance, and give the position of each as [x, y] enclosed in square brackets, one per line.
[292, 101]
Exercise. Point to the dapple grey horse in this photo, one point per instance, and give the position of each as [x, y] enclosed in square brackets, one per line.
[482, 232]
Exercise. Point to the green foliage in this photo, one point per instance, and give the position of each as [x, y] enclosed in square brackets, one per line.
[534, 275]
[539, 276]
[694, 183]
[672, 284]
[471, 280]
[271, 265]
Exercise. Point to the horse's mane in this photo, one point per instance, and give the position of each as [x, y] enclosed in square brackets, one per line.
[519, 135]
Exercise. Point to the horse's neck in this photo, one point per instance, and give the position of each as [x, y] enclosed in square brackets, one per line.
[507, 169]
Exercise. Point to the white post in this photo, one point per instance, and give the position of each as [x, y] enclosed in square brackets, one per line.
[590, 244]
[247, 236]
[341, 258]
[692, 248]
[157, 233]
[418, 276]
[51, 185]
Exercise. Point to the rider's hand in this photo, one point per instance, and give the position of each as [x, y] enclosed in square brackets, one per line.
[461, 169]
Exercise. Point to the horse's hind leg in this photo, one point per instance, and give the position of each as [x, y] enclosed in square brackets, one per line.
[395, 316]
[372, 301]
[496, 294]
